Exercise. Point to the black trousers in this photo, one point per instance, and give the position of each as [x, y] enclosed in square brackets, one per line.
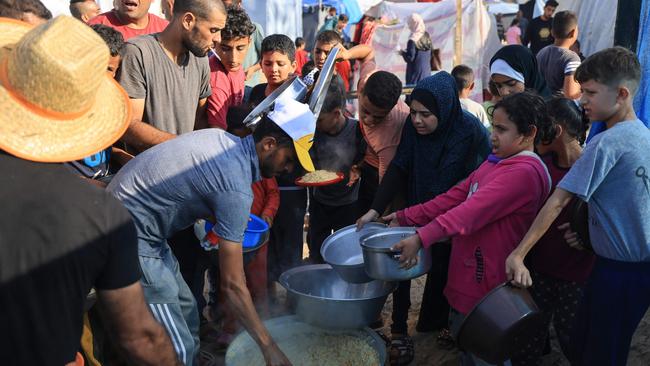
[285, 246]
[434, 311]
[367, 188]
[325, 219]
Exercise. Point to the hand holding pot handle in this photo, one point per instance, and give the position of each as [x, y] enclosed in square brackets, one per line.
[516, 271]
[391, 219]
[409, 248]
[370, 216]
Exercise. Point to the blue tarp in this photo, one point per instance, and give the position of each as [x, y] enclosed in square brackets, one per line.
[347, 7]
[642, 101]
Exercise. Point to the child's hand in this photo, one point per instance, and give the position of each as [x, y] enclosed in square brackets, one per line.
[391, 219]
[369, 216]
[343, 54]
[268, 220]
[355, 174]
[571, 237]
[409, 251]
[516, 271]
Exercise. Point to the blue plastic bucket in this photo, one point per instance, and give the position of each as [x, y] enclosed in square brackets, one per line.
[255, 235]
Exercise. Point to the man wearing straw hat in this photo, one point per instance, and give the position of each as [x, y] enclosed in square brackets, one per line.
[196, 176]
[59, 235]
[167, 76]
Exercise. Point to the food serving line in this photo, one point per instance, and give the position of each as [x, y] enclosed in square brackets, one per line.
[334, 303]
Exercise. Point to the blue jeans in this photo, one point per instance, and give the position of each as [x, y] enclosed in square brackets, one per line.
[171, 302]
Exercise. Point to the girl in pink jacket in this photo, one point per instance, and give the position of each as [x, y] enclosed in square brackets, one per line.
[488, 213]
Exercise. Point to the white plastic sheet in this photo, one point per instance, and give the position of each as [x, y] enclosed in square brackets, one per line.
[480, 40]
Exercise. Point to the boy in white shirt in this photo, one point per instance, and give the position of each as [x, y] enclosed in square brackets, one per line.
[464, 76]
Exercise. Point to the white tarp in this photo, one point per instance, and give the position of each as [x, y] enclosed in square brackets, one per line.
[277, 16]
[480, 40]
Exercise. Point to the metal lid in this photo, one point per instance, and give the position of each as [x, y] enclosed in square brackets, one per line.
[293, 88]
[322, 84]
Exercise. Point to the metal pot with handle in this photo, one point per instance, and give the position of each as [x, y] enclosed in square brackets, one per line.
[382, 263]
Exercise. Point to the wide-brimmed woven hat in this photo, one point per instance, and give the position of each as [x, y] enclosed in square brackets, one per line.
[57, 103]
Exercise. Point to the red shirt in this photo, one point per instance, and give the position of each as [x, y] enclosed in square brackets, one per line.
[266, 198]
[301, 59]
[156, 24]
[227, 91]
[343, 69]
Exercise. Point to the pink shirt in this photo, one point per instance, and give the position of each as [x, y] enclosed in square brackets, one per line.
[486, 215]
[156, 24]
[384, 137]
[227, 91]
[512, 34]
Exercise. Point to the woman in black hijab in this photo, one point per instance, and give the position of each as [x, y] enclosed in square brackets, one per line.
[440, 145]
[514, 69]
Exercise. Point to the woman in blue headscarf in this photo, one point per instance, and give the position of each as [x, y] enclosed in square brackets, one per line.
[440, 145]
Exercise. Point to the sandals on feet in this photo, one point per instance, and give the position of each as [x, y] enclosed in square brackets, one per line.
[402, 351]
[445, 340]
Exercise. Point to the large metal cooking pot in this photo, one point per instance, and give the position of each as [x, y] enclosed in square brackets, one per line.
[322, 298]
[342, 250]
[502, 323]
[302, 342]
[381, 263]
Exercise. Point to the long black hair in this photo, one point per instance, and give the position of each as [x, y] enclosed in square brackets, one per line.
[526, 110]
[569, 115]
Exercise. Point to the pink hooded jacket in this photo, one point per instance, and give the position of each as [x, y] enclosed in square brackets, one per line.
[487, 215]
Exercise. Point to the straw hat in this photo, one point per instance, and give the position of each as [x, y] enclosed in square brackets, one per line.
[57, 102]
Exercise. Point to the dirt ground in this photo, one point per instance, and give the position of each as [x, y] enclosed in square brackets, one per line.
[428, 353]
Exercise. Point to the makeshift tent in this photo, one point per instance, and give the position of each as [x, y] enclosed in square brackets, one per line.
[479, 37]
[277, 16]
[642, 104]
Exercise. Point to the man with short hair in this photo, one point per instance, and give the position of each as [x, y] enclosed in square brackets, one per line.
[131, 18]
[202, 174]
[60, 236]
[538, 32]
[227, 77]
[84, 10]
[556, 62]
[464, 76]
[167, 75]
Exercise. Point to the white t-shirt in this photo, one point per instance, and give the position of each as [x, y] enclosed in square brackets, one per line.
[476, 109]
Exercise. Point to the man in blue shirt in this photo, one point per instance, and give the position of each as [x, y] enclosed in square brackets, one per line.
[199, 175]
[612, 175]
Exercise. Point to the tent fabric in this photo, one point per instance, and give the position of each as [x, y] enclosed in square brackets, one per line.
[642, 102]
[480, 40]
[277, 16]
[351, 8]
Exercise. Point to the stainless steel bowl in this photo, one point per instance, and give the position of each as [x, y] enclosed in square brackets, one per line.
[322, 298]
[303, 341]
[342, 250]
[381, 263]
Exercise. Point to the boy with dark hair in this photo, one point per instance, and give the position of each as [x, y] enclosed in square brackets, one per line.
[557, 63]
[301, 55]
[325, 41]
[278, 64]
[340, 27]
[612, 177]
[339, 147]
[227, 77]
[464, 76]
[84, 10]
[538, 32]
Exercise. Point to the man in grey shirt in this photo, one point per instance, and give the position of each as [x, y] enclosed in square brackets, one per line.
[167, 75]
[198, 175]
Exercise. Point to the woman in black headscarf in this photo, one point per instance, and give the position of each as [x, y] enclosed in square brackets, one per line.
[440, 145]
[514, 69]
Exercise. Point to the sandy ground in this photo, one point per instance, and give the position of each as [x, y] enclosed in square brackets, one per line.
[428, 353]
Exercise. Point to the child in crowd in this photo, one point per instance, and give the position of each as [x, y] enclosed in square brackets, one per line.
[488, 105]
[487, 214]
[340, 29]
[513, 69]
[560, 271]
[330, 20]
[99, 167]
[278, 64]
[302, 56]
[325, 42]
[464, 77]
[227, 77]
[513, 34]
[557, 63]
[266, 199]
[338, 146]
[612, 177]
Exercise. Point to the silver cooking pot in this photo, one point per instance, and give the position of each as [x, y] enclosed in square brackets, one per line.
[382, 263]
[342, 250]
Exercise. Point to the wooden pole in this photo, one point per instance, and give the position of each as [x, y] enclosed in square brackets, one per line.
[458, 39]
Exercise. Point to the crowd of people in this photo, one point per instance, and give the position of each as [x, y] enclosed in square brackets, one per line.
[123, 136]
